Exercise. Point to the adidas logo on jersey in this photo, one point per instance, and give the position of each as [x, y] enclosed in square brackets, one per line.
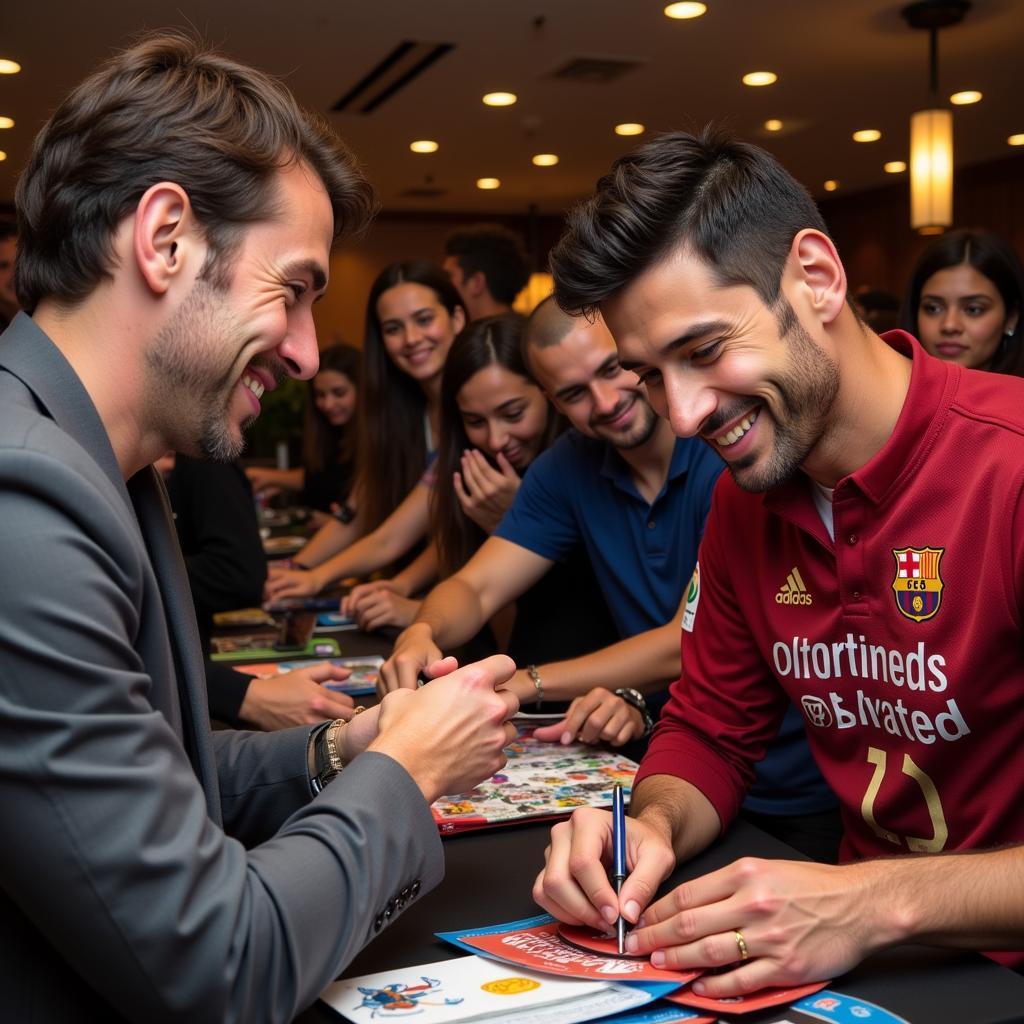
[794, 590]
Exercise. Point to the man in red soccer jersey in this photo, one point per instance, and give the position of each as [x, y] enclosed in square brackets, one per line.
[864, 559]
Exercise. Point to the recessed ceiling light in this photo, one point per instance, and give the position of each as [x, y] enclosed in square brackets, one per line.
[488, 183]
[895, 167]
[867, 135]
[1016, 140]
[831, 185]
[500, 99]
[3, 155]
[6, 122]
[424, 146]
[9, 67]
[629, 128]
[965, 98]
[760, 78]
[545, 160]
[683, 11]
[773, 124]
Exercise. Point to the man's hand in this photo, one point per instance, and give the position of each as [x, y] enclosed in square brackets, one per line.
[485, 493]
[574, 883]
[450, 735]
[296, 698]
[282, 583]
[800, 922]
[415, 652]
[597, 717]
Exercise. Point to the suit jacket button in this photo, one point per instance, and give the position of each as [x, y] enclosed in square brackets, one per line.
[378, 923]
[416, 887]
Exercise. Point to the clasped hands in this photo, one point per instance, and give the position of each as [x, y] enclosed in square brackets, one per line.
[796, 922]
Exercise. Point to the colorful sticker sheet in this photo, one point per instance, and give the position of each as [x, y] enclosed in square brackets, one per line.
[540, 780]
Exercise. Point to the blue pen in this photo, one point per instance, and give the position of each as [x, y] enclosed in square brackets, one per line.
[619, 858]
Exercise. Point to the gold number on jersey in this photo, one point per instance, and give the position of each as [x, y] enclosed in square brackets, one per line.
[931, 798]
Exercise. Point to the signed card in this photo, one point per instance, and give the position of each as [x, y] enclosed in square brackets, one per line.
[471, 988]
[597, 942]
[534, 943]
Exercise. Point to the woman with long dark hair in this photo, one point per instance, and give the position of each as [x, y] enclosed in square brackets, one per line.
[412, 316]
[964, 302]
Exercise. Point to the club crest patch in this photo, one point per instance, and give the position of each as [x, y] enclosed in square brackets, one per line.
[917, 584]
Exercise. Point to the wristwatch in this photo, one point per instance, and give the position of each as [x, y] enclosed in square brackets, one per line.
[327, 757]
[636, 699]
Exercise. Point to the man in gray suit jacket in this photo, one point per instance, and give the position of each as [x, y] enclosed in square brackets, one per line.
[177, 216]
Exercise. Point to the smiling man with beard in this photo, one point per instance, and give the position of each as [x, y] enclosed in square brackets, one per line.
[177, 216]
[863, 562]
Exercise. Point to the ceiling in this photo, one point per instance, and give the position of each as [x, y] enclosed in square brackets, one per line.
[842, 65]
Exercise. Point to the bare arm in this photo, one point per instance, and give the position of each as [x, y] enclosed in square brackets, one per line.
[456, 609]
[265, 477]
[332, 537]
[646, 662]
[392, 539]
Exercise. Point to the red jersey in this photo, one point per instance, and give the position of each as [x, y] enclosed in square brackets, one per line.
[901, 641]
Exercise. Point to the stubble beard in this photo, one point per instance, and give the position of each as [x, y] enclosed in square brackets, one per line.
[807, 390]
[194, 396]
[640, 433]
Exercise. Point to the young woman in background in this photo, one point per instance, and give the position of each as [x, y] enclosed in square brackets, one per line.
[964, 302]
[413, 314]
[324, 480]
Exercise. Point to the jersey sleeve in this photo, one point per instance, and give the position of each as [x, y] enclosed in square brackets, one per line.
[726, 707]
[543, 517]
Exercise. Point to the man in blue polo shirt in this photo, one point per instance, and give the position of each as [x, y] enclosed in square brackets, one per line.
[622, 484]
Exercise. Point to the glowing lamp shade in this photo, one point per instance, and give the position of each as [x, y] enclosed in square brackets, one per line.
[931, 170]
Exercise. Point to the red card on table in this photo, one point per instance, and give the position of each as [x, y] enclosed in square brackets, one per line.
[745, 1004]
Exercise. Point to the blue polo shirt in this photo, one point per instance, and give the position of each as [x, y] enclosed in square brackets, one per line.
[581, 491]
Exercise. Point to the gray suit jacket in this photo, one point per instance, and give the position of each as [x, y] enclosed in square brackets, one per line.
[152, 870]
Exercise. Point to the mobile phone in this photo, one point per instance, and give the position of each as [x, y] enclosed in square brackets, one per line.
[296, 631]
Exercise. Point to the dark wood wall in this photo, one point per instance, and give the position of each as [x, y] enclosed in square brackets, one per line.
[872, 229]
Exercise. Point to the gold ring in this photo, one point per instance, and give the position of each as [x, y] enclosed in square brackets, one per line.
[359, 709]
[741, 944]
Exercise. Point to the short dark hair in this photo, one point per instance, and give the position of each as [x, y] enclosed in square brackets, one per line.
[497, 252]
[731, 203]
[167, 109]
[992, 257]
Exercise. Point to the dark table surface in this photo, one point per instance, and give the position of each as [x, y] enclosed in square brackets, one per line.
[489, 876]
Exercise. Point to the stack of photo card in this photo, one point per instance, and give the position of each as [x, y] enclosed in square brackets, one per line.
[361, 682]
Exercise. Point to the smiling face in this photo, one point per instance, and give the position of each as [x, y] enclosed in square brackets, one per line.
[334, 396]
[503, 412]
[417, 329]
[222, 347]
[582, 376]
[961, 317]
[717, 364]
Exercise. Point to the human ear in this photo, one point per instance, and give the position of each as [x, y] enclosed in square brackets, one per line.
[164, 238]
[815, 265]
[475, 284]
[458, 319]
